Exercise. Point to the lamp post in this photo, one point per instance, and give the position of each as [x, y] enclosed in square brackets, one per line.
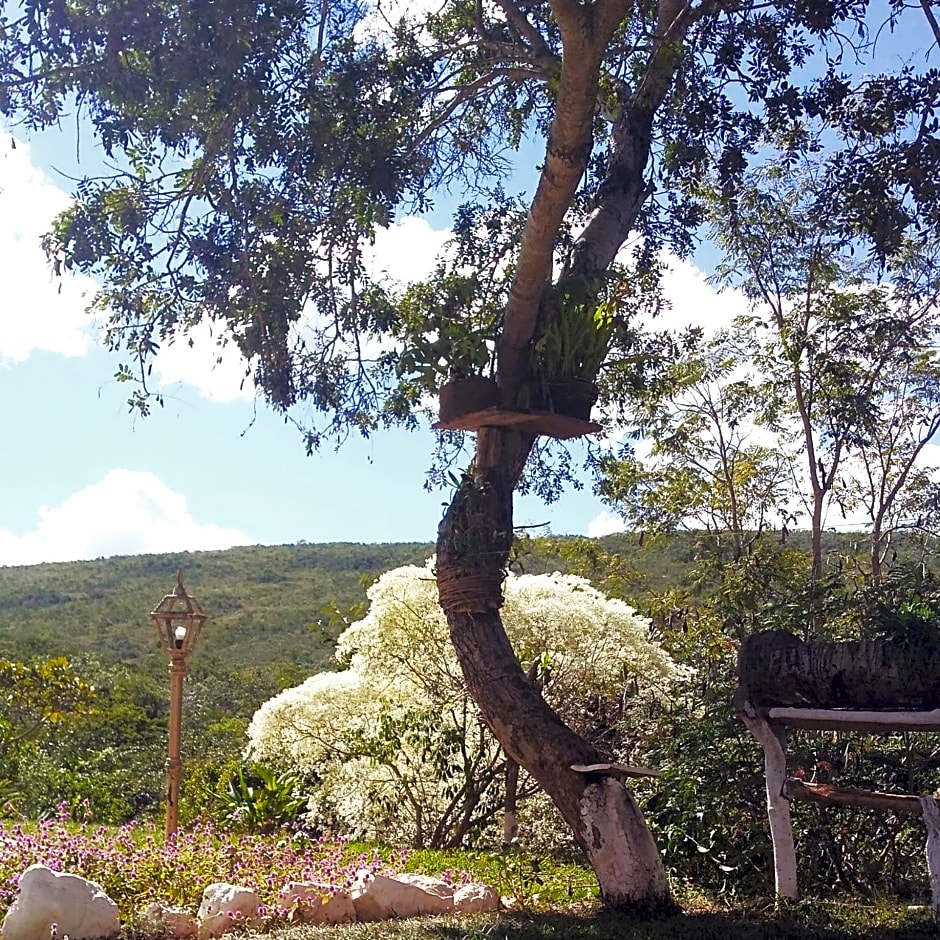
[178, 619]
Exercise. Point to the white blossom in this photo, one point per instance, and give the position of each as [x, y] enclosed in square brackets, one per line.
[392, 736]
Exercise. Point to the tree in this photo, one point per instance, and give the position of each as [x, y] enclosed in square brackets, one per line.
[847, 359]
[394, 740]
[35, 695]
[259, 143]
[705, 467]
[821, 399]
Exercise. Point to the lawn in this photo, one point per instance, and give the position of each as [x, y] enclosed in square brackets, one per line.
[816, 920]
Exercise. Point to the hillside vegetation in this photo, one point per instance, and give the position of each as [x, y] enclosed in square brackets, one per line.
[265, 603]
[278, 604]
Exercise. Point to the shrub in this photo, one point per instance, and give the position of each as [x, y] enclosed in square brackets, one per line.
[394, 739]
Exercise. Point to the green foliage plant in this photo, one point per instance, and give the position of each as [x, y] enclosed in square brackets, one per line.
[576, 337]
[257, 799]
[36, 695]
[394, 739]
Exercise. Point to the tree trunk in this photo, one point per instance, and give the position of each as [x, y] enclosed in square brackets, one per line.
[473, 547]
[776, 668]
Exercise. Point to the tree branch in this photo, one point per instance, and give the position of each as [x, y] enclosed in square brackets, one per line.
[931, 19]
[570, 140]
[520, 22]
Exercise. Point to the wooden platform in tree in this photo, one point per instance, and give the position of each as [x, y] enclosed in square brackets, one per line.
[546, 423]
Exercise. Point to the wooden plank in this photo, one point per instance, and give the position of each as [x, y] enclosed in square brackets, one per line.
[547, 423]
[874, 722]
[622, 770]
[852, 796]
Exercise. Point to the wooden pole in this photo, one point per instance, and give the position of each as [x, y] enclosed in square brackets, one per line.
[932, 820]
[851, 796]
[174, 764]
[778, 807]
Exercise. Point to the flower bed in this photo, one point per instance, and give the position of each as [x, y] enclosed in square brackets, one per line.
[135, 867]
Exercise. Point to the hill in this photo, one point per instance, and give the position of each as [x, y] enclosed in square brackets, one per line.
[266, 604]
[270, 604]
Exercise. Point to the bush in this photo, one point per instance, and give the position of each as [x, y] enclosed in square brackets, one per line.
[394, 740]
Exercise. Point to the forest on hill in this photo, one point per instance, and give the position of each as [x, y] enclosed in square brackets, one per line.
[264, 603]
[281, 604]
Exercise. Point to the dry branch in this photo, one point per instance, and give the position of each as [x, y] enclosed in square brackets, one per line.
[852, 796]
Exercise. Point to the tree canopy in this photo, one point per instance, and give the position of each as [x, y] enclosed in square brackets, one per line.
[258, 146]
[816, 402]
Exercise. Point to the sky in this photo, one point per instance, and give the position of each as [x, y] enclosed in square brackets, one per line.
[82, 477]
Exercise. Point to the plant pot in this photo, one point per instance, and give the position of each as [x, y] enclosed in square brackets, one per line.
[464, 396]
[573, 397]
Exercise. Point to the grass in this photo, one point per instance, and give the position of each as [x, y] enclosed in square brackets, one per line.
[807, 921]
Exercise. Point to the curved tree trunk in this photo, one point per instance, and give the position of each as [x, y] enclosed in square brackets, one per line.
[475, 535]
[473, 547]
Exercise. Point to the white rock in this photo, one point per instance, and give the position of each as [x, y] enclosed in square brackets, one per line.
[175, 922]
[474, 898]
[378, 897]
[443, 890]
[225, 907]
[80, 909]
[312, 902]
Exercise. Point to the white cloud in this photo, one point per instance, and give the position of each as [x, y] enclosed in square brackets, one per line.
[40, 311]
[125, 513]
[694, 301]
[405, 251]
[379, 22]
[605, 524]
[929, 456]
[216, 371]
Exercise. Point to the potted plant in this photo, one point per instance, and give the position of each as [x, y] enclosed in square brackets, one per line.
[571, 349]
[447, 337]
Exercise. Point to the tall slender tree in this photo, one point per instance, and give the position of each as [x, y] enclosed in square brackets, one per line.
[261, 143]
[845, 346]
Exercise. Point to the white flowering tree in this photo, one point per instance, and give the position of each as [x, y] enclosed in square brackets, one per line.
[393, 738]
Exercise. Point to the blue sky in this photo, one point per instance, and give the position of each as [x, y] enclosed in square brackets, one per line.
[82, 477]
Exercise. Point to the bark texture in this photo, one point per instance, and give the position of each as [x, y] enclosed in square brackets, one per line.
[776, 668]
[473, 547]
[475, 535]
